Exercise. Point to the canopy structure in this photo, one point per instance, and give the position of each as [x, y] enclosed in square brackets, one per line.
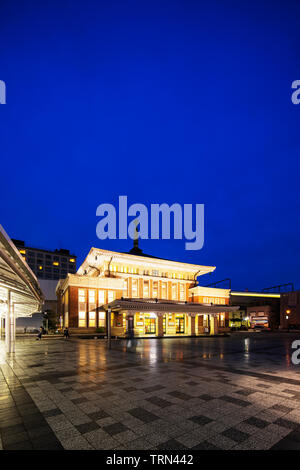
[20, 293]
[163, 306]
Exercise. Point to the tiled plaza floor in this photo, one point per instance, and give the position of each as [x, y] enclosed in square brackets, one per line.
[240, 392]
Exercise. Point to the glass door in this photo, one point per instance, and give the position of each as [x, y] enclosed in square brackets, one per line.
[150, 326]
[179, 323]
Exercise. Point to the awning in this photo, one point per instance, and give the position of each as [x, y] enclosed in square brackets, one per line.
[17, 278]
[143, 305]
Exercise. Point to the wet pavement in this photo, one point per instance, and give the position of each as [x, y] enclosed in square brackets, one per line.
[238, 392]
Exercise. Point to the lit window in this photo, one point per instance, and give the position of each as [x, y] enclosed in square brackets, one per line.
[101, 297]
[92, 296]
[146, 289]
[126, 287]
[82, 318]
[23, 252]
[101, 319]
[164, 290]
[174, 291]
[55, 263]
[181, 292]
[40, 268]
[92, 319]
[72, 260]
[81, 295]
[134, 288]
[155, 272]
[155, 289]
[110, 296]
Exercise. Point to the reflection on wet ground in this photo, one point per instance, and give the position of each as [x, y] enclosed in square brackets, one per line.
[237, 392]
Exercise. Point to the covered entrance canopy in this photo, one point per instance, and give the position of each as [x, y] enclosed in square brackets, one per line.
[181, 316]
[20, 294]
[164, 306]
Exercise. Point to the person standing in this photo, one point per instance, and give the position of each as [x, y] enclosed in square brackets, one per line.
[66, 333]
[40, 334]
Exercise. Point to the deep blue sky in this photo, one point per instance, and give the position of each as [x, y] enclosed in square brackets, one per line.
[182, 101]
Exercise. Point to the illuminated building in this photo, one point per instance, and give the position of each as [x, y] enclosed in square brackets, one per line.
[290, 310]
[148, 296]
[47, 264]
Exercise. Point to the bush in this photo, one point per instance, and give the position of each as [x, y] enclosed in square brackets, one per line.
[101, 329]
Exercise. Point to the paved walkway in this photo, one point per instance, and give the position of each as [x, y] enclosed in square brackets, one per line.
[204, 393]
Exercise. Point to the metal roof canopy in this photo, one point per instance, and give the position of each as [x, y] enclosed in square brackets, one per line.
[17, 279]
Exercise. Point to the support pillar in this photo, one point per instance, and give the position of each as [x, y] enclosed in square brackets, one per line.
[213, 325]
[8, 323]
[160, 325]
[109, 328]
[13, 328]
[192, 326]
[2, 326]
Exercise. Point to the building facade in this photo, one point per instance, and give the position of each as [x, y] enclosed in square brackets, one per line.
[290, 310]
[47, 264]
[257, 309]
[142, 295]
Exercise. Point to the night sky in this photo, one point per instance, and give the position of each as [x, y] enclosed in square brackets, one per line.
[162, 101]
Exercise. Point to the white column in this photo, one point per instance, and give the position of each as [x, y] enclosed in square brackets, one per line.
[8, 323]
[12, 327]
[2, 325]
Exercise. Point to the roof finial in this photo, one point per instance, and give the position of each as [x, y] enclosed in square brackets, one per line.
[135, 250]
[136, 235]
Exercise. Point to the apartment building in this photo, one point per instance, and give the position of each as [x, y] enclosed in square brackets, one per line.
[47, 264]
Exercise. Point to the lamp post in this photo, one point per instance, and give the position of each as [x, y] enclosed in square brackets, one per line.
[287, 312]
[109, 328]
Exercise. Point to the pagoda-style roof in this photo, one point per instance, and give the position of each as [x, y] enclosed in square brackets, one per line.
[166, 306]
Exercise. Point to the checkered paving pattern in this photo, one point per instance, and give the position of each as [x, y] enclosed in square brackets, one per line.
[192, 393]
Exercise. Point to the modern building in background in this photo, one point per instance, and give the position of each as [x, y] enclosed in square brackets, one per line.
[256, 309]
[147, 296]
[47, 264]
[290, 310]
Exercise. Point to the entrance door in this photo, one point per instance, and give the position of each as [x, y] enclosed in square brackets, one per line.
[179, 323]
[150, 326]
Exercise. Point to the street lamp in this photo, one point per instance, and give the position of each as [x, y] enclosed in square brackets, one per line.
[287, 312]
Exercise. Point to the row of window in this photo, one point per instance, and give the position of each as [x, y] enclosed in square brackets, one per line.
[33, 254]
[82, 319]
[82, 296]
[136, 291]
[49, 264]
[213, 300]
[145, 290]
[147, 272]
